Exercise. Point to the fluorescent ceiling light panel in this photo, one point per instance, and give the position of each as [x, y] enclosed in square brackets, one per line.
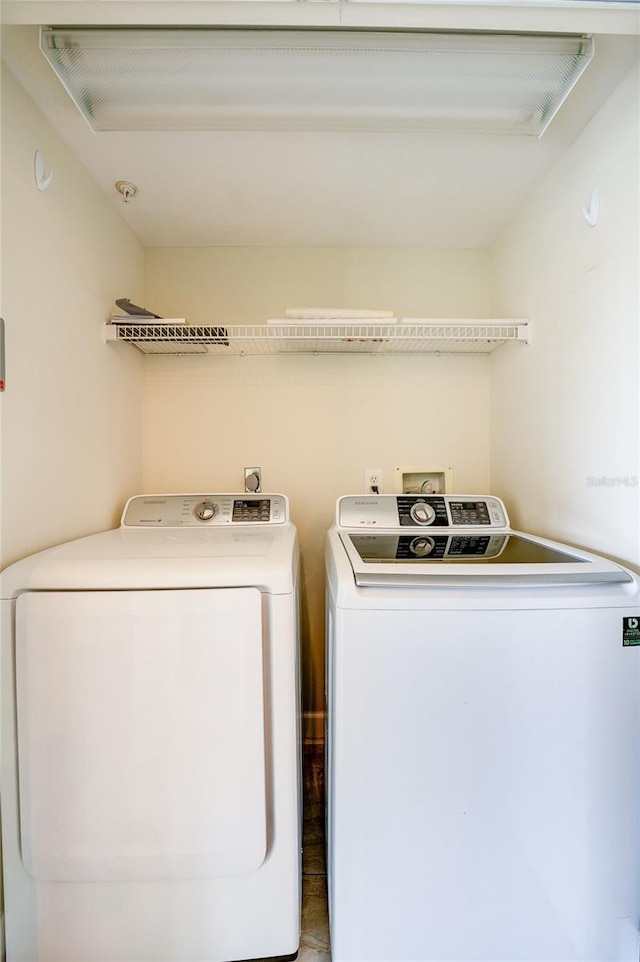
[341, 80]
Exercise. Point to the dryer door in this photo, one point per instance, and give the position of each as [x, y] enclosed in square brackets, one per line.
[141, 733]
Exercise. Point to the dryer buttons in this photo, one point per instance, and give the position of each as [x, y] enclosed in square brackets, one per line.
[205, 510]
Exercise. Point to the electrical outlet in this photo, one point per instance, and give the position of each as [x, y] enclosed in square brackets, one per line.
[253, 480]
[373, 478]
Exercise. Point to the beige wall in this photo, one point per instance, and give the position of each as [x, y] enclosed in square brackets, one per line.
[71, 412]
[564, 412]
[313, 423]
[248, 285]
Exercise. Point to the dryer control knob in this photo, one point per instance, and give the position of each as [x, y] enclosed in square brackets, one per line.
[421, 547]
[205, 510]
[422, 513]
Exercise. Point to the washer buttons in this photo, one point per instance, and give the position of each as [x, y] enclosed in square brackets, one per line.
[422, 513]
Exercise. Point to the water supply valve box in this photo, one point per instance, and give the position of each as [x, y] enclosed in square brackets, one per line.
[420, 480]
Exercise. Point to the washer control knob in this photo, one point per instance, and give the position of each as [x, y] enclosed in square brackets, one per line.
[421, 547]
[205, 510]
[422, 513]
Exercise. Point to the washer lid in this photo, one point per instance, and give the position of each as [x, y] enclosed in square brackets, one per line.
[450, 557]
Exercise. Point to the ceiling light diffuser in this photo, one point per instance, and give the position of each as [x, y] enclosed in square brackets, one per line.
[327, 79]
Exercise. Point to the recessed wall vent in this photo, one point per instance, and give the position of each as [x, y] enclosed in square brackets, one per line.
[292, 79]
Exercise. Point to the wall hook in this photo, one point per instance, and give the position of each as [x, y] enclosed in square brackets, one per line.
[42, 176]
[591, 213]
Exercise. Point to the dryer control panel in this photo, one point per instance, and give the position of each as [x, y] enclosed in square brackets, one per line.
[203, 510]
[417, 510]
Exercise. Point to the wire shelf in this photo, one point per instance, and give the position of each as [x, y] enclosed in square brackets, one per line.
[428, 337]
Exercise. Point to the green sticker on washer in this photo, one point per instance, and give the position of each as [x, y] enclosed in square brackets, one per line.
[630, 632]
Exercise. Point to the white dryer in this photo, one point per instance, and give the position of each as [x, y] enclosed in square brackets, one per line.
[483, 739]
[151, 751]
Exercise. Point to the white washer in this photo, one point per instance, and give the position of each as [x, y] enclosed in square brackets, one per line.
[151, 751]
[483, 739]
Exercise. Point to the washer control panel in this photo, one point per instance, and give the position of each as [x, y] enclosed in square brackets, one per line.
[203, 510]
[421, 511]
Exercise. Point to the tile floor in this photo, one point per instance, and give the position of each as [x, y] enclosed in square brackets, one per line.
[314, 944]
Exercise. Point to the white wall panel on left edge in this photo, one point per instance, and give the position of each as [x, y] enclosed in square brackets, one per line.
[71, 411]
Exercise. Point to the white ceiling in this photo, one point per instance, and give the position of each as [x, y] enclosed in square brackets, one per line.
[207, 188]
